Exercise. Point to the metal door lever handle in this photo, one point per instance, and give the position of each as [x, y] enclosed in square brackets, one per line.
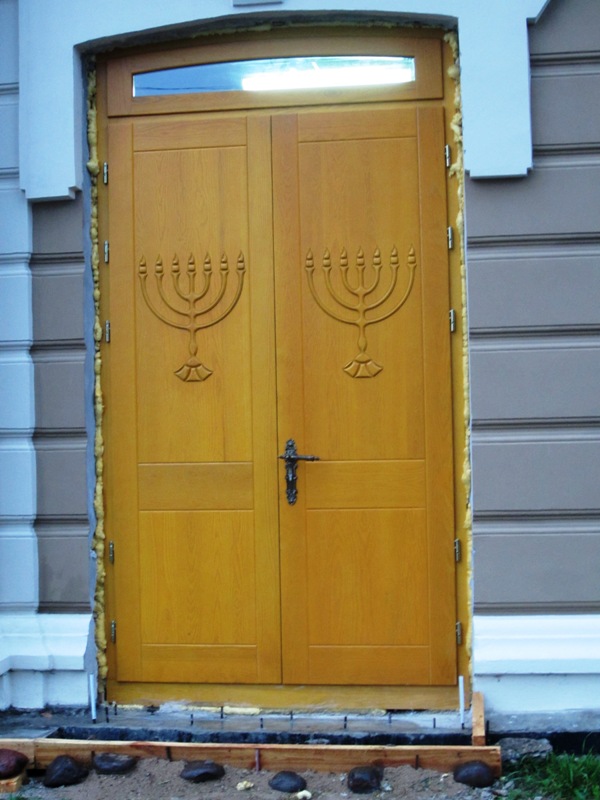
[291, 458]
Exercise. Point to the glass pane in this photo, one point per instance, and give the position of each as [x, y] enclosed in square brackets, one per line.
[307, 72]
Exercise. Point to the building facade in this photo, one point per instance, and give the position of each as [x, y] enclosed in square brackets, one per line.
[530, 82]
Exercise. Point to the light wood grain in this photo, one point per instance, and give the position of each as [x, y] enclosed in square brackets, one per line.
[321, 758]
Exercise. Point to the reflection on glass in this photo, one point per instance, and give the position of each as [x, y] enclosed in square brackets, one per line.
[307, 72]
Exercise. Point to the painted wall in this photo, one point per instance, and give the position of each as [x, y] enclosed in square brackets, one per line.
[534, 280]
[533, 277]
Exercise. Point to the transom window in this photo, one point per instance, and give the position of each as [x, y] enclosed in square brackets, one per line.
[277, 74]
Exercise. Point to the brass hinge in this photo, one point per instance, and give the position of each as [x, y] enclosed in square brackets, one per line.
[111, 552]
[105, 172]
[459, 635]
[452, 320]
[450, 237]
[457, 550]
[107, 331]
[447, 156]
[106, 251]
[113, 631]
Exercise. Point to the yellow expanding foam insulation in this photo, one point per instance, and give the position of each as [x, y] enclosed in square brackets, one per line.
[98, 542]
[457, 173]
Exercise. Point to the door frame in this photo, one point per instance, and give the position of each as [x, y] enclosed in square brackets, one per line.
[289, 42]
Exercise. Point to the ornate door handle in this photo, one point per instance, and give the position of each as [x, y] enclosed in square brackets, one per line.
[291, 458]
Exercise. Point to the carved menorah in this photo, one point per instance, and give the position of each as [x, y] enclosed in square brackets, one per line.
[362, 365]
[184, 300]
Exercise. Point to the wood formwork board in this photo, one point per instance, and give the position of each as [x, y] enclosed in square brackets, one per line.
[320, 758]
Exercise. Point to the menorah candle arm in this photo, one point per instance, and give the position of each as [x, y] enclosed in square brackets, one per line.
[388, 293]
[155, 311]
[216, 300]
[166, 301]
[201, 325]
[345, 281]
[336, 298]
[398, 305]
[322, 306]
[370, 289]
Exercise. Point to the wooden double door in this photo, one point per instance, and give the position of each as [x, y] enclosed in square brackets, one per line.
[277, 275]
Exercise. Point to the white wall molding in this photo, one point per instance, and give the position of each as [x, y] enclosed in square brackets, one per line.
[494, 62]
[43, 660]
[536, 663]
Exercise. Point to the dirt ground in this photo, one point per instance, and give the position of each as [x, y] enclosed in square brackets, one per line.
[155, 779]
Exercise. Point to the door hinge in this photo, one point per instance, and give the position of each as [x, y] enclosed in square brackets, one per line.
[113, 631]
[105, 172]
[459, 634]
[106, 251]
[450, 237]
[107, 331]
[457, 550]
[452, 319]
[111, 552]
[447, 156]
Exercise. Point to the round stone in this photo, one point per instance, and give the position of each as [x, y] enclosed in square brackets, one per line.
[12, 762]
[363, 780]
[287, 781]
[474, 773]
[64, 771]
[202, 771]
[113, 763]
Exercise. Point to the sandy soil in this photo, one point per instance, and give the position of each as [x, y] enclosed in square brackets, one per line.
[154, 779]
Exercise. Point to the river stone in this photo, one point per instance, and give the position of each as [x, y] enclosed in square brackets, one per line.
[363, 780]
[114, 763]
[64, 771]
[201, 771]
[287, 781]
[11, 762]
[514, 748]
[474, 773]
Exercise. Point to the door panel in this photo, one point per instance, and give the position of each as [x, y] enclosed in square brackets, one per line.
[359, 246]
[246, 250]
[194, 436]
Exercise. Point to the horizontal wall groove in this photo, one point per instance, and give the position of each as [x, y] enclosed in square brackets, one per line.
[57, 268]
[47, 520]
[533, 240]
[567, 149]
[9, 173]
[60, 439]
[9, 88]
[56, 347]
[574, 157]
[492, 609]
[40, 259]
[60, 527]
[573, 59]
[21, 258]
[559, 337]
[501, 516]
[533, 250]
[554, 526]
[59, 354]
[64, 608]
[514, 431]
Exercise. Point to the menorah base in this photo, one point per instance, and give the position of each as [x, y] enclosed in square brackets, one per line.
[193, 370]
[363, 366]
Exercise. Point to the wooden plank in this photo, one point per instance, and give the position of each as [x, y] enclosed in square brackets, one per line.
[321, 758]
[10, 785]
[478, 725]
